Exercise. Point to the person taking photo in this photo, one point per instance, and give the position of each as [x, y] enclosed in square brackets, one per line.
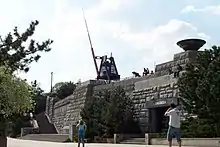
[174, 124]
[81, 127]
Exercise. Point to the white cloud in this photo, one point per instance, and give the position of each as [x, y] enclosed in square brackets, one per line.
[159, 44]
[71, 58]
[210, 9]
[115, 4]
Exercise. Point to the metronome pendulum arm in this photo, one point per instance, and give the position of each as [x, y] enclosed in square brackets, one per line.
[90, 42]
[108, 70]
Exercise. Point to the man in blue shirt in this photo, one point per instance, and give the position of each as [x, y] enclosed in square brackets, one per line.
[81, 128]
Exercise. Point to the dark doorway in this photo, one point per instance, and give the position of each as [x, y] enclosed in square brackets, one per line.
[157, 121]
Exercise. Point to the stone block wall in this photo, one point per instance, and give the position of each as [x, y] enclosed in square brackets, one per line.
[148, 91]
[50, 107]
[156, 90]
[181, 58]
[127, 84]
[66, 112]
[60, 111]
[80, 95]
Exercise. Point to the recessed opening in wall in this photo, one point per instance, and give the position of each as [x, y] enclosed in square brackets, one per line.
[157, 121]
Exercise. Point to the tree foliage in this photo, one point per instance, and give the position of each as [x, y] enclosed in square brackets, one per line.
[64, 89]
[109, 111]
[17, 52]
[39, 98]
[197, 128]
[200, 89]
[19, 121]
[16, 55]
[16, 98]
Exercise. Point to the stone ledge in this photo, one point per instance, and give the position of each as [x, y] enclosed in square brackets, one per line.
[201, 142]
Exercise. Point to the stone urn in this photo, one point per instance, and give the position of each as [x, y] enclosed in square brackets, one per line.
[191, 44]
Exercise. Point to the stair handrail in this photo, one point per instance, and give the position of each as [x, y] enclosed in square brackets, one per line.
[26, 130]
[48, 118]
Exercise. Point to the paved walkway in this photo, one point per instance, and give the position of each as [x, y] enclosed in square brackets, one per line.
[29, 143]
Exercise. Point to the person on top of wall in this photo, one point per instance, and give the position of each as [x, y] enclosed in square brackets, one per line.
[179, 68]
[146, 72]
[170, 70]
[174, 124]
[81, 127]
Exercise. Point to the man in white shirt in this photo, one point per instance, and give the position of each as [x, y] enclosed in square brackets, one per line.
[174, 124]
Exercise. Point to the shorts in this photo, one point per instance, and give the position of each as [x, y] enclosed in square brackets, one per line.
[173, 132]
[81, 137]
[81, 134]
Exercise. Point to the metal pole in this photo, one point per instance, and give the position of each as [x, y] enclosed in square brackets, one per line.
[51, 82]
[90, 42]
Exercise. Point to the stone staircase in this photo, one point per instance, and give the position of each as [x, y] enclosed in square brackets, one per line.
[45, 126]
[47, 137]
[47, 131]
[139, 141]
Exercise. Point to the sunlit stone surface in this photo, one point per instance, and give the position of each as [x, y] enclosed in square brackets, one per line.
[29, 143]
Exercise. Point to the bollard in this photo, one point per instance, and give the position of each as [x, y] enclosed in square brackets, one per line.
[147, 139]
[117, 138]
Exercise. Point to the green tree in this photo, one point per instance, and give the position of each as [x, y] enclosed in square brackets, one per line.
[200, 89]
[15, 94]
[16, 99]
[15, 55]
[109, 111]
[91, 114]
[64, 89]
[39, 98]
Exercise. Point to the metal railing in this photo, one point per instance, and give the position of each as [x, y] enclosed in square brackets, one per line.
[28, 130]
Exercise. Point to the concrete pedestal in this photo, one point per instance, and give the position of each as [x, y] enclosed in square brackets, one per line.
[147, 139]
[117, 138]
[72, 132]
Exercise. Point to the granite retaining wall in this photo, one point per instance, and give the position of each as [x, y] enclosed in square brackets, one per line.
[156, 90]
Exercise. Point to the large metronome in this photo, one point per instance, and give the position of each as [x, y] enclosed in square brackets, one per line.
[107, 69]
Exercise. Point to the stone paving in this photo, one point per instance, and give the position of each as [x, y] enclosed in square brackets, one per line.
[30, 143]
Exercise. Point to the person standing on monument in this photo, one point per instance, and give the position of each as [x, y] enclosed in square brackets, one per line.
[81, 127]
[174, 124]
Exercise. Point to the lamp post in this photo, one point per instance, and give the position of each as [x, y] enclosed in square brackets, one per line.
[51, 82]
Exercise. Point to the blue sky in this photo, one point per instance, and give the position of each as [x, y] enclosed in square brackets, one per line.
[139, 33]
